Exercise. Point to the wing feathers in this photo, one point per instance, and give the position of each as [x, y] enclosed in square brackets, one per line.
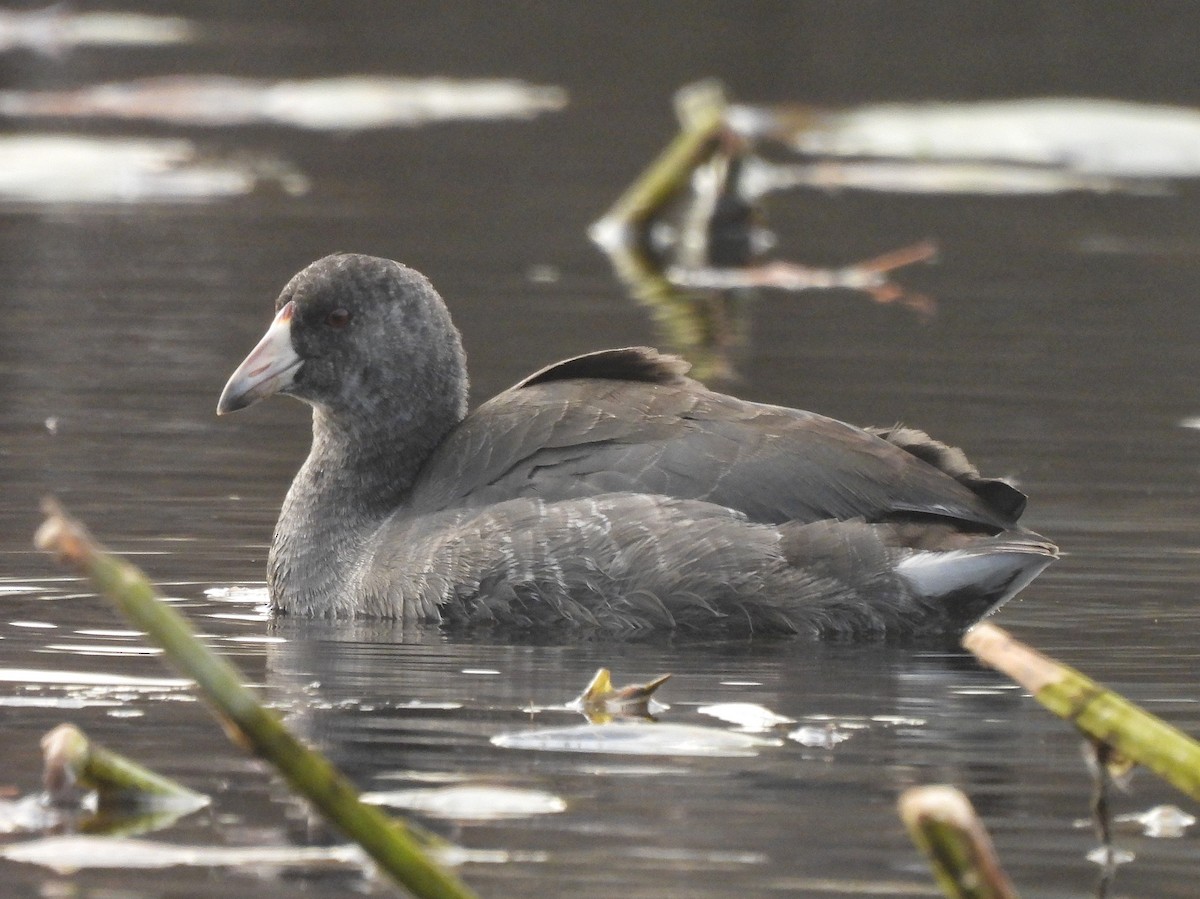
[563, 439]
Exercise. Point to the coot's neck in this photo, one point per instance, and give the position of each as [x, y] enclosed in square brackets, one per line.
[358, 474]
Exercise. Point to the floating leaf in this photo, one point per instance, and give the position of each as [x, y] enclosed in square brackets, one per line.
[601, 701]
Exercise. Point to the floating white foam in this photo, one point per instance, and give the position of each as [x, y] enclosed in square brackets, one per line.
[638, 738]
[471, 802]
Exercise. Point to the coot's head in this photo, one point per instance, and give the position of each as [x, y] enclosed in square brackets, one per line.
[351, 335]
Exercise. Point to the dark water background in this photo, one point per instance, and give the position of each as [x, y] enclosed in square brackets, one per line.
[1062, 355]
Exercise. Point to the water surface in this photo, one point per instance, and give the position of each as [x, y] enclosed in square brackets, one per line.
[1062, 355]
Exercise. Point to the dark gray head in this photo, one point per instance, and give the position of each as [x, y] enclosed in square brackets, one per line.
[364, 341]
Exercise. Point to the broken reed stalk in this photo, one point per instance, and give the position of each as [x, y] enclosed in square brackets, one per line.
[702, 109]
[943, 824]
[1097, 711]
[72, 759]
[394, 846]
[621, 231]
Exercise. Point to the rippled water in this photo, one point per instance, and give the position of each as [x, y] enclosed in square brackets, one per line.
[1062, 354]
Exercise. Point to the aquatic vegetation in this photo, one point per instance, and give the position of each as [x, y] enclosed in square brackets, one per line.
[73, 761]
[687, 238]
[1133, 735]
[399, 850]
[943, 824]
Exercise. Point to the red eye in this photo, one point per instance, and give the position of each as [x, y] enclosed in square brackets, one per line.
[338, 319]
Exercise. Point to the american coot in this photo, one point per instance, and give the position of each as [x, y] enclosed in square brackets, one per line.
[608, 492]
